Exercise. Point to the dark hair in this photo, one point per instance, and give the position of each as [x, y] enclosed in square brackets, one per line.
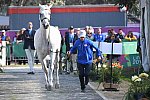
[112, 35]
[130, 32]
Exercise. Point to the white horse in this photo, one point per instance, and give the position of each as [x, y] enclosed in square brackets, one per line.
[47, 42]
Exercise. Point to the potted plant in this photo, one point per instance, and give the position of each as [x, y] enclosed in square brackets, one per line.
[110, 79]
[139, 87]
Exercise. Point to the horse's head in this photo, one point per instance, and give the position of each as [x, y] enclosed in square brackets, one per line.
[45, 15]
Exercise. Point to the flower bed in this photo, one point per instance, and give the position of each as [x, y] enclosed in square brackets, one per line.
[139, 88]
[110, 79]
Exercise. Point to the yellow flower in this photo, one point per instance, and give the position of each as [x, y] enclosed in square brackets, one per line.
[143, 75]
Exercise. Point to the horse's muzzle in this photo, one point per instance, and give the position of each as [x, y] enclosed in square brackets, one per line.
[45, 26]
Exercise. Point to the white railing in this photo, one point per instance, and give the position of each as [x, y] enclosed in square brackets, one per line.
[3, 53]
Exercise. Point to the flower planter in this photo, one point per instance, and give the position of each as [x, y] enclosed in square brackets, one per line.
[113, 86]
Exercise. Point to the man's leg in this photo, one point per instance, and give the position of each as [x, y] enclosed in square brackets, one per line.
[30, 59]
[32, 56]
[88, 67]
[81, 75]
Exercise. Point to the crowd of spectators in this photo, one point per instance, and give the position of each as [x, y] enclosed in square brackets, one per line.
[96, 35]
[72, 34]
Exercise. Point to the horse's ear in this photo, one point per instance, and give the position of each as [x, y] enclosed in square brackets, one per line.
[40, 5]
[49, 5]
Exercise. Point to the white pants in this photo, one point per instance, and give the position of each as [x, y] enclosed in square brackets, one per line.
[74, 62]
[73, 59]
[30, 56]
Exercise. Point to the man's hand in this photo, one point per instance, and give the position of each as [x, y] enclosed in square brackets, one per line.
[99, 58]
[68, 54]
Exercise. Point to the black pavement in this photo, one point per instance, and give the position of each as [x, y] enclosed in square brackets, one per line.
[16, 84]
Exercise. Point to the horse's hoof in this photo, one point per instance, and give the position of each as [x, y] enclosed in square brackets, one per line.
[48, 87]
[57, 86]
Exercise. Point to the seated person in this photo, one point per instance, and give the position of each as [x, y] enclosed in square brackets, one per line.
[120, 34]
[110, 39]
[130, 36]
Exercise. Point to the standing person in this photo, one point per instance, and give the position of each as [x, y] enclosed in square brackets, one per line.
[4, 35]
[70, 38]
[84, 49]
[20, 36]
[78, 32]
[99, 37]
[29, 46]
[90, 35]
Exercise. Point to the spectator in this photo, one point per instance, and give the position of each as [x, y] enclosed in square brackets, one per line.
[4, 35]
[91, 29]
[78, 32]
[120, 34]
[70, 38]
[29, 46]
[86, 29]
[112, 39]
[109, 33]
[60, 55]
[98, 36]
[113, 31]
[130, 36]
[90, 35]
[8, 40]
[84, 57]
[20, 36]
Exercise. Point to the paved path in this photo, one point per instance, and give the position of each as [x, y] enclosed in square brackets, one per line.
[15, 84]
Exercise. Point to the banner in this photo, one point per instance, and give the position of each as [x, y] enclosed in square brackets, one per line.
[129, 47]
[130, 60]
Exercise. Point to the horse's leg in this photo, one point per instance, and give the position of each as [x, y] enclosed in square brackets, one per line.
[44, 67]
[57, 70]
[51, 68]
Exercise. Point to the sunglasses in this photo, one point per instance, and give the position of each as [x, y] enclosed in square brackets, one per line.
[81, 37]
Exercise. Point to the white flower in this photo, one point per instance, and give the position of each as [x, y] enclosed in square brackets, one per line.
[138, 80]
[135, 78]
[104, 66]
[143, 75]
